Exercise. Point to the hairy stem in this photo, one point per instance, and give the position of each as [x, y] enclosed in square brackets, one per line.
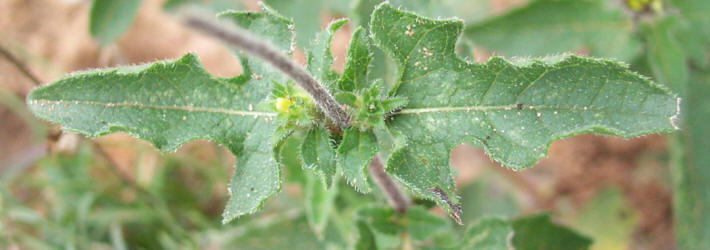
[251, 44]
[395, 197]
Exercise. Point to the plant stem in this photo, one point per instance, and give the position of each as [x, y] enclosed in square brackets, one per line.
[395, 197]
[20, 66]
[251, 44]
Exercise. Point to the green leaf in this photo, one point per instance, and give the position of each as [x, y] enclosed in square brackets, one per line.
[539, 232]
[608, 220]
[319, 59]
[171, 102]
[513, 110]
[488, 233]
[354, 154]
[665, 54]
[546, 27]
[691, 170]
[357, 62]
[319, 203]
[108, 19]
[318, 154]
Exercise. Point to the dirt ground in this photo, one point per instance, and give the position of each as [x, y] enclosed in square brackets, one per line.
[51, 37]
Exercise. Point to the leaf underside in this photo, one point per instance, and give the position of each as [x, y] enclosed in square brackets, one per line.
[514, 110]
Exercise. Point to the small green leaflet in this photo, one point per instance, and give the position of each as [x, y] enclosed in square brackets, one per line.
[357, 62]
[318, 154]
[544, 27]
[171, 102]
[108, 19]
[319, 59]
[512, 109]
[354, 154]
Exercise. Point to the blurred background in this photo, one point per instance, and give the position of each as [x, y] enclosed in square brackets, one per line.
[62, 190]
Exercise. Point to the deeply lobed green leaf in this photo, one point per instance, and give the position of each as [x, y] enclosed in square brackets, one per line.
[512, 109]
[171, 102]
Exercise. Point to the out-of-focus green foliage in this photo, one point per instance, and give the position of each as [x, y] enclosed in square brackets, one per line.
[608, 220]
[108, 19]
[692, 166]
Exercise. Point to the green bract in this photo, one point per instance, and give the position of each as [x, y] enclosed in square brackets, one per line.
[512, 109]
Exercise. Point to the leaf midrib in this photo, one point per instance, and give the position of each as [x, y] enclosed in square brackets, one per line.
[515, 107]
[225, 111]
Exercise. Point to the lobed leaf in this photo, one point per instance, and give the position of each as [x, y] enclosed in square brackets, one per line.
[512, 109]
[171, 102]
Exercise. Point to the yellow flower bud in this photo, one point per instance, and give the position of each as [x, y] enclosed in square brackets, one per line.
[283, 105]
